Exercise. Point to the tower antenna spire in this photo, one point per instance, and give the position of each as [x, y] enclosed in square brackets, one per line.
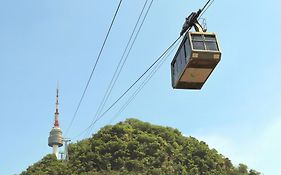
[57, 108]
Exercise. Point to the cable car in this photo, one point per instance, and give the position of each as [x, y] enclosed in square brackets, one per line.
[196, 57]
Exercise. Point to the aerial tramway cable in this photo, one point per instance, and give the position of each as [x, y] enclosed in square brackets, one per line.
[123, 58]
[205, 8]
[132, 85]
[141, 86]
[95, 65]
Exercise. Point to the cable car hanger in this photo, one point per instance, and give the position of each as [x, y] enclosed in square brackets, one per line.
[192, 20]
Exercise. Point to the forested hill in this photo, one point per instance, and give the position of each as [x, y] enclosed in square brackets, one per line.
[136, 147]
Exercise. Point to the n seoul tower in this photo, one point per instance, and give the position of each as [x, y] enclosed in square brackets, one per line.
[55, 139]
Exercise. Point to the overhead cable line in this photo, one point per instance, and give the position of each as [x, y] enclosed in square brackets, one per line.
[95, 65]
[206, 5]
[123, 59]
[132, 85]
[205, 8]
[140, 77]
[146, 80]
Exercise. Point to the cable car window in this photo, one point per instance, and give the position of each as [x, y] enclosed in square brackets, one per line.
[182, 54]
[187, 49]
[177, 66]
[211, 45]
[198, 45]
[179, 59]
[174, 70]
[197, 37]
[210, 38]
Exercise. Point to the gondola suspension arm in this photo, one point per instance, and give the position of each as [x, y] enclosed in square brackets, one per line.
[192, 21]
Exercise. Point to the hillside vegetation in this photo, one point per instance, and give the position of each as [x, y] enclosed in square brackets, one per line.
[136, 147]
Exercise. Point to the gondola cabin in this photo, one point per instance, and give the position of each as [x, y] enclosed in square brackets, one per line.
[195, 60]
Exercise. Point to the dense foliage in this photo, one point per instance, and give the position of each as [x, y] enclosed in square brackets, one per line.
[135, 147]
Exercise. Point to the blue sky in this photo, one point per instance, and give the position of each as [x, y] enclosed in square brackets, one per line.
[237, 111]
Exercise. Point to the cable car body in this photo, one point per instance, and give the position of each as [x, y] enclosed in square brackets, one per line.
[197, 56]
[195, 60]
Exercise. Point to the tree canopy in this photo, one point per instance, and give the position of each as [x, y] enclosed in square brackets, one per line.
[136, 147]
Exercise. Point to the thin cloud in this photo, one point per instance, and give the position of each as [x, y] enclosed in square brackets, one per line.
[261, 152]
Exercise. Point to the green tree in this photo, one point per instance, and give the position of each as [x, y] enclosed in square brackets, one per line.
[135, 147]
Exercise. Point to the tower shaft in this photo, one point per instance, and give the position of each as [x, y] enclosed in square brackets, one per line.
[56, 150]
